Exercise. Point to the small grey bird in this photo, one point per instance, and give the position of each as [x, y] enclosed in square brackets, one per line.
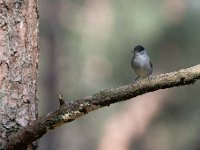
[141, 62]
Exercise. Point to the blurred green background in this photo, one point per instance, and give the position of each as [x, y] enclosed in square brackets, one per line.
[85, 47]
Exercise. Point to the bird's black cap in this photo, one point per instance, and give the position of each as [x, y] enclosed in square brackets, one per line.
[138, 48]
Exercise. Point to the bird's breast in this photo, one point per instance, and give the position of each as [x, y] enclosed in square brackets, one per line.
[141, 66]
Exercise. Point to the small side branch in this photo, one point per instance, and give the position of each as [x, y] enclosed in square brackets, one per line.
[61, 100]
[75, 109]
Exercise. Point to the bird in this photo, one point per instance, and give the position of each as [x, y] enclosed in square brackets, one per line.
[141, 63]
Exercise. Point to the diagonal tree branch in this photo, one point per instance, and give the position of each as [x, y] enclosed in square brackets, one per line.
[70, 111]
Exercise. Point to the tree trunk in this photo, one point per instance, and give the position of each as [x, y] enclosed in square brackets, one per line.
[18, 65]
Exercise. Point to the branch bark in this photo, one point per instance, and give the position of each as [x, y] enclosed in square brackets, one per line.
[70, 111]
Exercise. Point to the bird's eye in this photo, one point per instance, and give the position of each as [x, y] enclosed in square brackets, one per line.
[140, 49]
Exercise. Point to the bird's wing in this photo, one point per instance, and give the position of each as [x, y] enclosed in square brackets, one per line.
[151, 66]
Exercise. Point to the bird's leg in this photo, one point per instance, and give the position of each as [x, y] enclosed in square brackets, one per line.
[149, 77]
[136, 78]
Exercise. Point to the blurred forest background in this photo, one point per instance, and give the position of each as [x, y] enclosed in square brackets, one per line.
[85, 47]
